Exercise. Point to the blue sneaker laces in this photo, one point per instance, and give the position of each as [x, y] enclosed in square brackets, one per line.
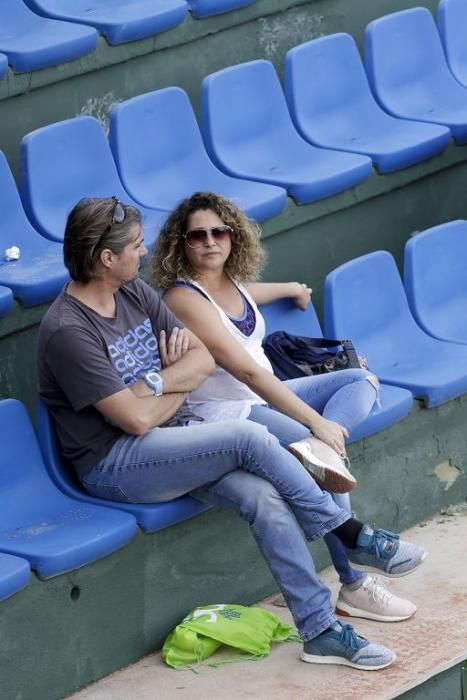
[349, 638]
[385, 543]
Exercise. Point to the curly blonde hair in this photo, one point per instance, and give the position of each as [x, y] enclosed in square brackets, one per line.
[169, 261]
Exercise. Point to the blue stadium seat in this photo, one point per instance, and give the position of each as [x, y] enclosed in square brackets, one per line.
[249, 133]
[6, 300]
[150, 517]
[120, 20]
[452, 21]
[408, 73]
[33, 42]
[14, 574]
[207, 8]
[435, 280]
[395, 402]
[39, 274]
[365, 300]
[3, 65]
[161, 157]
[53, 532]
[63, 162]
[332, 106]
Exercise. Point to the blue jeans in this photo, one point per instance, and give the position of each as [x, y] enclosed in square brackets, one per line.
[346, 397]
[240, 465]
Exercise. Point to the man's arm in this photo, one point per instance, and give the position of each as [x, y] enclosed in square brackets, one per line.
[136, 415]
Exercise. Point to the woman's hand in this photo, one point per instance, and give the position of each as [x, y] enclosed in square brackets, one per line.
[332, 433]
[173, 349]
[302, 295]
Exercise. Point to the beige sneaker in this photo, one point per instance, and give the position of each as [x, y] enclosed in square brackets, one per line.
[324, 464]
[373, 601]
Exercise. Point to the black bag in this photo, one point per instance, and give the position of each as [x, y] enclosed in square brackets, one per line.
[293, 356]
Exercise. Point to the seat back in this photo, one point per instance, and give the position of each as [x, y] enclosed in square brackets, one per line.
[452, 21]
[24, 483]
[62, 163]
[245, 115]
[3, 65]
[284, 315]
[157, 146]
[405, 62]
[16, 20]
[435, 279]
[364, 300]
[327, 89]
[15, 228]
[6, 300]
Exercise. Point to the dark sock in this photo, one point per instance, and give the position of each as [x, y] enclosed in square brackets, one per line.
[348, 532]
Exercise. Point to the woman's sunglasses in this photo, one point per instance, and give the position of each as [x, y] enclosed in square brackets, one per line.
[198, 236]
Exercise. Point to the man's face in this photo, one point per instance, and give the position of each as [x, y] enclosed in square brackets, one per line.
[126, 264]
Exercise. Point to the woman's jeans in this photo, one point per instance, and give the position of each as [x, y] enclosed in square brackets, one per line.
[240, 465]
[346, 397]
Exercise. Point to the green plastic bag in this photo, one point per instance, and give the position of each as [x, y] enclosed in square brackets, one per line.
[205, 629]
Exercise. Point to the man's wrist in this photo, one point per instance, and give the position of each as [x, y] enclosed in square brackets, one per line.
[154, 381]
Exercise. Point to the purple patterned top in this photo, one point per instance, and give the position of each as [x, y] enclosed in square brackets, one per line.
[246, 324]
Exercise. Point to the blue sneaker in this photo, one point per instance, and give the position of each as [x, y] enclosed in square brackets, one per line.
[342, 645]
[383, 552]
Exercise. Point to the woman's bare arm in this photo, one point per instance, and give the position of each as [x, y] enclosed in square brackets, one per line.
[203, 319]
[267, 292]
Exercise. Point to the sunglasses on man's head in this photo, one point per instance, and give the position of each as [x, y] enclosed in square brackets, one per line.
[118, 217]
[198, 236]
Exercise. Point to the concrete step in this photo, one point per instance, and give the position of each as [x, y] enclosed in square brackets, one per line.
[429, 644]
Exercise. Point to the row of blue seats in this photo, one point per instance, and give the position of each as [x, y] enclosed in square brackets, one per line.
[39, 33]
[66, 528]
[161, 157]
[364, 299]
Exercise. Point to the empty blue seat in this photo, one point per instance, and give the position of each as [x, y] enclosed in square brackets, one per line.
[249, 133]
[39, 274]
[395, 402]
[33, 42]
[365, 300]
[150, 517]
[206, 8]
[63, 162]
[14, 574]
[3, 65]
[54, 532]
[119, 20]
[161, 157]
[332, 106]
[408, 73]
[452, 21]
[435, 280]
[6, 300]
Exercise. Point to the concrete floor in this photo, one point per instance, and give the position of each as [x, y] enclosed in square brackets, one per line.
[432, 641]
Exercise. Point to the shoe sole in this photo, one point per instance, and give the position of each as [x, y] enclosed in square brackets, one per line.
[345, 610]
[327, 477]
[387, 574]
[311, 659]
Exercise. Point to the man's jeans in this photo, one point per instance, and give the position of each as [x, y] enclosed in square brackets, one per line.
[346, 397]
[240, 465]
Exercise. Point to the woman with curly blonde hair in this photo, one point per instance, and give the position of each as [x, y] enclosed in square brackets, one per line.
[208, 258]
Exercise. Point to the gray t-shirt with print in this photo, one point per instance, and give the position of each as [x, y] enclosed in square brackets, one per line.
[84, 357]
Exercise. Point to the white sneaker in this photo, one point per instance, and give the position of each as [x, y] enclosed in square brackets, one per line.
[324, 464]
[373, 602]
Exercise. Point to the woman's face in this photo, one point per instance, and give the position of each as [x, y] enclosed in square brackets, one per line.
[207, 241]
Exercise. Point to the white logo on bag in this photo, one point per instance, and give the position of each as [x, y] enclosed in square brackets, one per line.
[208, 612]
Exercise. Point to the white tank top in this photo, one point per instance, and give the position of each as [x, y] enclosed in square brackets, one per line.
[221, 396]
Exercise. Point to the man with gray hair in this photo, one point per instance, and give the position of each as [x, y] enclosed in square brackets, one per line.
[115, 369]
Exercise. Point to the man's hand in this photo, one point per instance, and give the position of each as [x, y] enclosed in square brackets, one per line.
[173, 349]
